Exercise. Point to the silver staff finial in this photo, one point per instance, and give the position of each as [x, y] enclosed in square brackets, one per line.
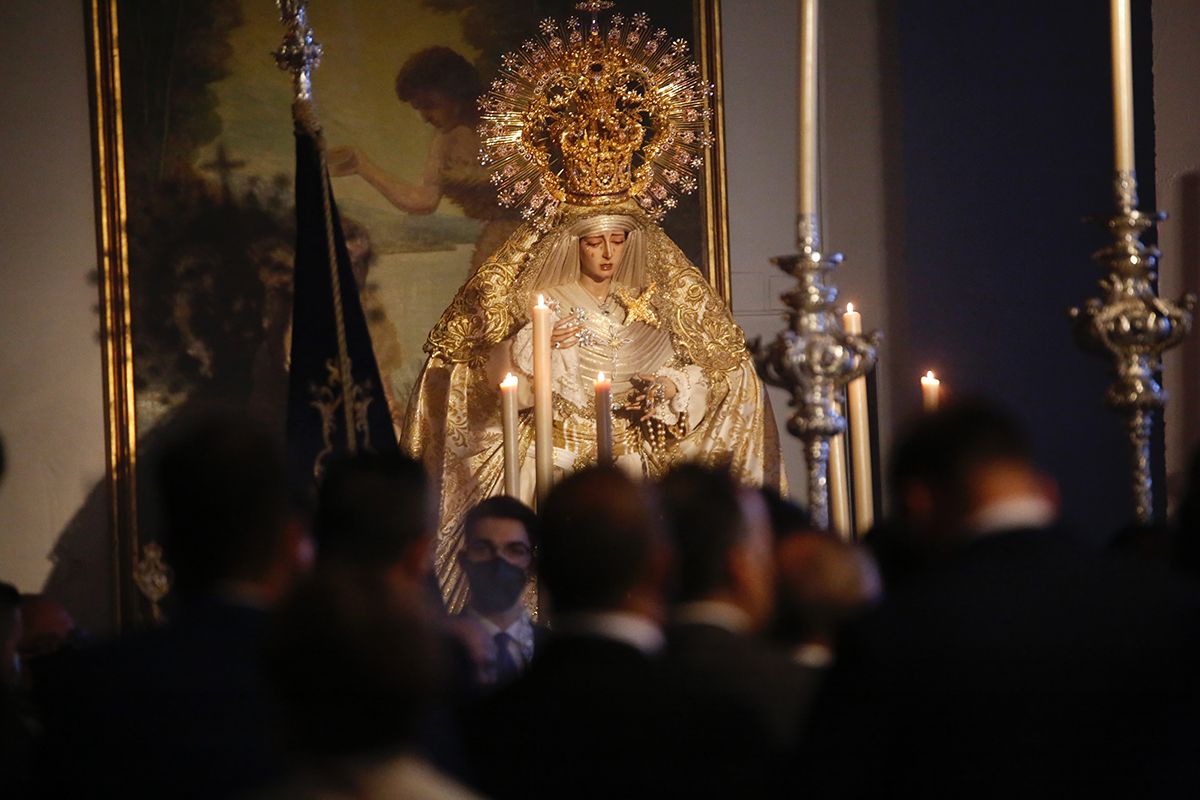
[299, 53]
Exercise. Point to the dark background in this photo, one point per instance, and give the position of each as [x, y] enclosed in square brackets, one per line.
[1001, 118]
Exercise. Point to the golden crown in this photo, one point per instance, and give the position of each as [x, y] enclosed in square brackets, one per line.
[595, 117]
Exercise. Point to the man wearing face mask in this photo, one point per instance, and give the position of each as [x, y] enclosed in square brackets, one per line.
[497, 559]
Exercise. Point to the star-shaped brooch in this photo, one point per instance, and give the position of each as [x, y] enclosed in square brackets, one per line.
[637, 307]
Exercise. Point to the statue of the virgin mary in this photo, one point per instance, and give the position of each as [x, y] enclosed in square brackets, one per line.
[592, 132]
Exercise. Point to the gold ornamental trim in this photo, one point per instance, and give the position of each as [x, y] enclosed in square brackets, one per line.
[115, 308]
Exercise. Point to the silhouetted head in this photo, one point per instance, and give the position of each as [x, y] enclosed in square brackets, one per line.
[376, 510]
[823, 581]
[722, 539]
[602, 548]
[955, 462]
[46, 626]
[224, 502]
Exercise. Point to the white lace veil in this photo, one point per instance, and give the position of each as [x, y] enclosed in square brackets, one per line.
[562, 259]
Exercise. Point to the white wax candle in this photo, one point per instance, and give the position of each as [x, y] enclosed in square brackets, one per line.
[860, 437]
[1122, 73]
[931, 389]
[839, 495]
[508, 418]
[604, 426]
[543, 400]
[806, 188]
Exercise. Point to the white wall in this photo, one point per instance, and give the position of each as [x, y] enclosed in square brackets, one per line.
[51, 399]
[1177, 172]
[759, 38]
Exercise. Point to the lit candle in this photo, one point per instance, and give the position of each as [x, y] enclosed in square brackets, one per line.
[508, 417]
[931, 389]
[604, 428]
[1122, 72]
[543, 408]
[860, 437]
[806, 189]
[839, 494]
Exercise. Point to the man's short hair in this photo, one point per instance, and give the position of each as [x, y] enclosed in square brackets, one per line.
[502, 507]
[704, 519]
[223, 498]
[598, 532]
[439, 69]
[942, 448]
[372, 508]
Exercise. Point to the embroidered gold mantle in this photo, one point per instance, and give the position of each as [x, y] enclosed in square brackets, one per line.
[452, 423]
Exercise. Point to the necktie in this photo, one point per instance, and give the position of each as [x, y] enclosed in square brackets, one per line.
[506, 666]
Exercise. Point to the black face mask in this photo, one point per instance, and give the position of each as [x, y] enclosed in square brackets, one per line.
[495, 584]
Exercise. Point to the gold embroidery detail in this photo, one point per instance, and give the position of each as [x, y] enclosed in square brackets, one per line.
[637, 306]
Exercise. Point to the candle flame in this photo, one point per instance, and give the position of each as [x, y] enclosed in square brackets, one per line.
[541, 303]
[599, 377]
[509, 381]
[849, 308]
[929, 376]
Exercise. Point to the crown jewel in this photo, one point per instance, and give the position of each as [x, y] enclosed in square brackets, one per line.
[595, 116]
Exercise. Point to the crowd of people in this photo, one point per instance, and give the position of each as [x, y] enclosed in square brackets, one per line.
[690, 637]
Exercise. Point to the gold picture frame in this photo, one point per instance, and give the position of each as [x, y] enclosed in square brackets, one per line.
[122, 162]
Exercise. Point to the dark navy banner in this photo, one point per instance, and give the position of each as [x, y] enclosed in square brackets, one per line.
[326, 339]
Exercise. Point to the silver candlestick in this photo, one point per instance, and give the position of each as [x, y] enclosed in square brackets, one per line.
[1133, 326]
[813, 359]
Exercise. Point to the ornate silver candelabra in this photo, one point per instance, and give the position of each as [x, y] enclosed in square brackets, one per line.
[813, 359]
[1133, 326]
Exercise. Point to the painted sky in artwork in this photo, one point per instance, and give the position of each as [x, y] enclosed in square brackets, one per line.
[420, 261]
[365, 43]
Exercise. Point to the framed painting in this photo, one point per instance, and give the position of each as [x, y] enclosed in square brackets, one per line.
[194, 156]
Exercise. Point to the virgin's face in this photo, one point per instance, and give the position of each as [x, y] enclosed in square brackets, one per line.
[600, 254]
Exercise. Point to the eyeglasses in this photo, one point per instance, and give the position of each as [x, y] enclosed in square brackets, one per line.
[483, 550]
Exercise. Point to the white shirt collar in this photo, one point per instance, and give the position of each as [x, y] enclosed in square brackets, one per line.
[1022, 511]
[520, 631]
[813, 655]
[717, 613]
[631, 629]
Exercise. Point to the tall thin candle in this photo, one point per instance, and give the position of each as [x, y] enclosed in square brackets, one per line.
[860, 437]
[543, 408]
[1122, 73]
[839, 494]
[508, 418]
[806, 189]
[604, 426]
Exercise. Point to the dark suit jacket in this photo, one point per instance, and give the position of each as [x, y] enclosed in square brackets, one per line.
[178, 712]
[594, 717]
[711, 664]
[1023, 666]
